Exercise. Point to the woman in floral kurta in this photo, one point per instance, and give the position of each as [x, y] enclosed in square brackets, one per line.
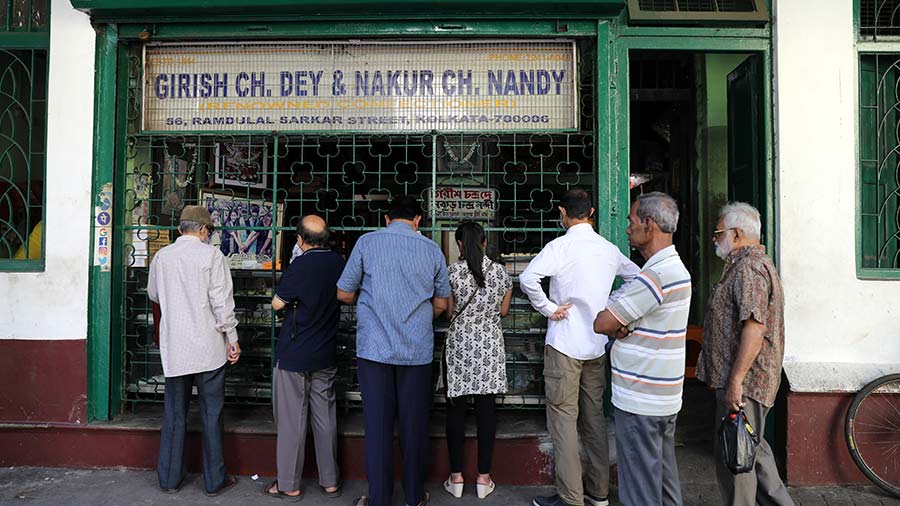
[475, 355]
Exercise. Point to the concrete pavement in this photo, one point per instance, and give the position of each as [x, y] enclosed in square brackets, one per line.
[33, 486]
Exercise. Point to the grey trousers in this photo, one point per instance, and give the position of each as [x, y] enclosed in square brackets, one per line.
[297, 398]
[574, 396]
[645, 448]
[761, 486]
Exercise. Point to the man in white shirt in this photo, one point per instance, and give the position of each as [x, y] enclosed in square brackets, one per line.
[582, 267]
[191, 282]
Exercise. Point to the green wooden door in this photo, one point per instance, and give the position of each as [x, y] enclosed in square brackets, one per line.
[746, 159]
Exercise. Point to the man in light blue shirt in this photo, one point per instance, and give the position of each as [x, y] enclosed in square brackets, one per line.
[398, 279]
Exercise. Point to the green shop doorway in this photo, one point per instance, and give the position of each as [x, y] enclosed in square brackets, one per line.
[696, 132]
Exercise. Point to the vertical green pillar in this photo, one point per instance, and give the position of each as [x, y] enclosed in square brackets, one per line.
[99, 283]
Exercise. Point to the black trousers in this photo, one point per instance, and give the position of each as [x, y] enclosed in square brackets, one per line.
[486, 418]
[403, 393]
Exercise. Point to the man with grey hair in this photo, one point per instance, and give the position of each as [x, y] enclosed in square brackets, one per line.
[191, 282]
[743, 349]
[649, 319]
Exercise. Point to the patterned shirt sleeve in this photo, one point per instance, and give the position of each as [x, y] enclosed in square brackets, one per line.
[637, 298]
[221, 297]
[751, 292]
[506, 279]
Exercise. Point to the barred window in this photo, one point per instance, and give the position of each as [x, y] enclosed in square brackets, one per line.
[879, 162]
[23, 127]
[879, 18]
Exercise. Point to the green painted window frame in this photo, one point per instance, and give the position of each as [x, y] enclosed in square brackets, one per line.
[866, 47]
[33, 37]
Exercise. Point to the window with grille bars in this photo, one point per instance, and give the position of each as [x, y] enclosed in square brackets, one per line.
[879, 162]
[751, 11]
[23, 125]
[879, 18]
[258, 186]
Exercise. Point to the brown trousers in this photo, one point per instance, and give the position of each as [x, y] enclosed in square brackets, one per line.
[574, 395]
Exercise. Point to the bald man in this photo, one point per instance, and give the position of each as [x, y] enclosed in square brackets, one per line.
[303, 378]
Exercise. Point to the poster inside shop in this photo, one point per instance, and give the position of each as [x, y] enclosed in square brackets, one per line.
[361, 86]
[463, 203]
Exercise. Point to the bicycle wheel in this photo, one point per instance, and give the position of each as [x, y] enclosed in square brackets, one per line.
[872, 431]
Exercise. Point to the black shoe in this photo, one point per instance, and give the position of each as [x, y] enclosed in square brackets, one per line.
[230, 482]
[176, 488]
[590, 500]
[553, 500]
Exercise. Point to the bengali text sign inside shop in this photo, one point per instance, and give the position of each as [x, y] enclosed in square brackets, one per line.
[393, 87]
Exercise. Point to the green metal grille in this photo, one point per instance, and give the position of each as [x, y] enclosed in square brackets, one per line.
[348, 179]
[23, 107]
[879, 165]
[879, 18]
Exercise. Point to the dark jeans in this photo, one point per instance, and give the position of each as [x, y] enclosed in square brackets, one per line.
[211, 391]
[403, 393]
[486, 418]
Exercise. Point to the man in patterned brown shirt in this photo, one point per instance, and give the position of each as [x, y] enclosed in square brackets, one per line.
[743, 349]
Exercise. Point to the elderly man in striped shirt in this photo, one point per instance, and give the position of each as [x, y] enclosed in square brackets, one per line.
[649, 318]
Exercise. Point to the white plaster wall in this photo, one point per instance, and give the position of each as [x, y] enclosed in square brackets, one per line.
[53, 304]
[841, 331]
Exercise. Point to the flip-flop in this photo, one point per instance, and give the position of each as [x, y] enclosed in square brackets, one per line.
[230, 482]
[361, 501]
[333, 495]
[279, 494]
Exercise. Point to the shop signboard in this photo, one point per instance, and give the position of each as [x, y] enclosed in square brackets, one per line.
[486, 86]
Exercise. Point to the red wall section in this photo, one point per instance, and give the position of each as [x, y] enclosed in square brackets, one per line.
[816, 451]
[43, 381]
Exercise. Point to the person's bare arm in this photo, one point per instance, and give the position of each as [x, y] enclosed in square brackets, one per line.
[348, 298]
[751, 342]
[606, 323]
[505, 303]
[277, 303]
[440, 305]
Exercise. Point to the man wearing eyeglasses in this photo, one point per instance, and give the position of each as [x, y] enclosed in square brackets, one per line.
[743, 348]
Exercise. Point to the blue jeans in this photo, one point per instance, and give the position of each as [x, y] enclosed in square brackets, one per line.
[211, 390]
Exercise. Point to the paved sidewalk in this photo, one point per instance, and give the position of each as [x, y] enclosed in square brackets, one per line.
[33, 486]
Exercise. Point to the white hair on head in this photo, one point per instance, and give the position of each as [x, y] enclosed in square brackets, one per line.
[189, 226]
[743, 216]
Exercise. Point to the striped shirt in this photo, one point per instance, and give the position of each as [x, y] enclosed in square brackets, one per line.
[648, 365]
[397, 272]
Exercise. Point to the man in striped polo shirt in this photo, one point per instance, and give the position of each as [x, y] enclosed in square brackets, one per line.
[649, 318]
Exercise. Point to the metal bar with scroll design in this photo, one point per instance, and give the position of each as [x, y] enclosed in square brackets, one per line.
[23, 105]
[879, 165]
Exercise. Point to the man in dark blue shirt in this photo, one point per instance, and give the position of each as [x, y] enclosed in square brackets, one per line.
[303, 378]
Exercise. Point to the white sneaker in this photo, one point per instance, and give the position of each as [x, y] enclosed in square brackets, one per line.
[485, 490]
[454, 489]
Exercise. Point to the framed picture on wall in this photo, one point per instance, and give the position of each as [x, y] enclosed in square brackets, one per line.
[241, 164]
[234, 218]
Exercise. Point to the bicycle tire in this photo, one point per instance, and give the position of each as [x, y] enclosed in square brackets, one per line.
[876, 452]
